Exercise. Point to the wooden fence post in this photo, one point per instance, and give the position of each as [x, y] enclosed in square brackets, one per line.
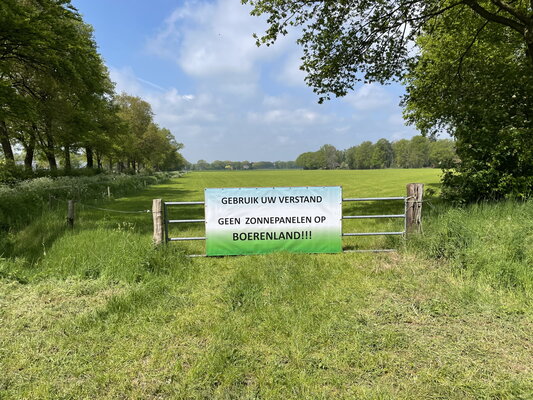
[413, 208]
[159, 226]
[108, 192]
[70, 214]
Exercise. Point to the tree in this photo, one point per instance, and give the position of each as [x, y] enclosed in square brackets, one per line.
[442, 153]
[418, 152]
[202, 165]
[349, 156]
[56, 97]
[137, 116]
[218, 164]
[51, 77]
[311, 160]
[263, 165]
[401, 153]
[348, 41]
[382, 156]
[332, 157]
[470, 75]
[483, 98]
[363, 155]
[34, 34]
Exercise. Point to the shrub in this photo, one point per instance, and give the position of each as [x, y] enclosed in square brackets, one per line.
[22, 201]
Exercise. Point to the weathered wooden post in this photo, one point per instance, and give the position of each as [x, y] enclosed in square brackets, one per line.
[159, 226]
[108, 192]
[70, 214]
[413, 208]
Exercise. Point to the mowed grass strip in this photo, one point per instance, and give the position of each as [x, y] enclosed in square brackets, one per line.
[101, 314]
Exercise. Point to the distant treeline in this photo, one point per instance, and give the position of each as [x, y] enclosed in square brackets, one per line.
[418, 152]
[203, 165]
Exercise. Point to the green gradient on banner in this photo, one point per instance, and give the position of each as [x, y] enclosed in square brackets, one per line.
[312, 220]
[321, 242]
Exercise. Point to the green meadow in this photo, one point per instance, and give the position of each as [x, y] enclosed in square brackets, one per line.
[99, 312]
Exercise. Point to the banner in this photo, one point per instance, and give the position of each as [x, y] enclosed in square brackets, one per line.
[266, 220]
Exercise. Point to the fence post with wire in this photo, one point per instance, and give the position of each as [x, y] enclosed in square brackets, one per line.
[159, 225]
[413, 208]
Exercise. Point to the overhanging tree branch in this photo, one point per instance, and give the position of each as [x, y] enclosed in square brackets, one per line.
[474, 40]
[513, 11]
[483, 12]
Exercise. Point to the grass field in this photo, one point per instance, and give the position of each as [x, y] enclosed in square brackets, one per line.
[97, 312]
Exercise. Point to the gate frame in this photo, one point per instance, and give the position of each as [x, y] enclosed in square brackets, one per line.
[412, 218]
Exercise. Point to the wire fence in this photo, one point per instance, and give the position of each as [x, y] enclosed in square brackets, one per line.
[116, 211]
[101, 208]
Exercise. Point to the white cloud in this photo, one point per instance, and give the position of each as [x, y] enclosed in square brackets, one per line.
[343, 129]
[300, 116]
[214, 40]
[245, 102]
[370, 97]
[273, 102]
[218, 126]
[283, 139]
[396, 119]
[291, 74]
[406, 134]
[125, 80]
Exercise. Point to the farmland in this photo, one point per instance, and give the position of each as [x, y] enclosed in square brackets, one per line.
[97, 312]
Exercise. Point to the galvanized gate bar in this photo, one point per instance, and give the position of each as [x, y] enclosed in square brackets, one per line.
[181, 239]
[180, 221]
[372, 233]
[165, 219]
[184, 221]
[373, 216]
[373, 198]
[183, 203]
[370, 251]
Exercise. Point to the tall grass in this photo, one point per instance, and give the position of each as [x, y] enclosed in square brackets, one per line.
[25, 200]
[488, 241]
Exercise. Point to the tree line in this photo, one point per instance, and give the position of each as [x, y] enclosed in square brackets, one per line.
[218, 165]
[417, 152]
[57, 98]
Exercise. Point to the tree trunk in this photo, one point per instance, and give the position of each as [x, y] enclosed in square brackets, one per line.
[30, 150]
[50, 156]
[66, 152]
[530, 48]
[89, 154]
[99, 161]
[110, 164]
[6, 144]
[49, 148]
[134, 166]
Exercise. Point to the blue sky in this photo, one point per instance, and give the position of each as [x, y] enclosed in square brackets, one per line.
[197, 64]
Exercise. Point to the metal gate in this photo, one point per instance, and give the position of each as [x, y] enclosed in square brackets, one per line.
[168, 221]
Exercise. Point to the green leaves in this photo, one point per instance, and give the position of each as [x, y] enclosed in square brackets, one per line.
[55, 91]
[468, 66]
[474, 80]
